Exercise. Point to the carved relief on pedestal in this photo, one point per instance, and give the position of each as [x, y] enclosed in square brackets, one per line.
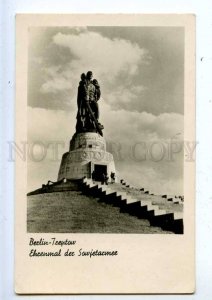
[88, 155]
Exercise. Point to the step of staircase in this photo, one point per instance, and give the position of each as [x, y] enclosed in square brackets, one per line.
[140, 208]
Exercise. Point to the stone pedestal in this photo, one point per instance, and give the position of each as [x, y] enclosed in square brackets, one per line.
[87, 153]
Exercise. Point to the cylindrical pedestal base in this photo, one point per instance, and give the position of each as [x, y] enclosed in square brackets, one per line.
[87, 158]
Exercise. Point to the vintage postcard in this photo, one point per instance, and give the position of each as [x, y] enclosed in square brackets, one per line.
[105, 154]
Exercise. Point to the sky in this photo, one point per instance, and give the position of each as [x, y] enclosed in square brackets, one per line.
[141, 74]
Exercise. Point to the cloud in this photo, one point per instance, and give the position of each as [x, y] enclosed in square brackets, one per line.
[107, 57]
[114, 62]
[139, 69]
[50, 125]
[150, 177]
[125, 97]
[140, 125]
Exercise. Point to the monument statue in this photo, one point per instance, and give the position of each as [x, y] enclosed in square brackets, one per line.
[87, 103]
[87, 155]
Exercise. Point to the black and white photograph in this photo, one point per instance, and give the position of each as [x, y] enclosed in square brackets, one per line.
[105, 154]
[106, 129]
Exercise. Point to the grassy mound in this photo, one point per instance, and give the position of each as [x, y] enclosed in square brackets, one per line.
[73, 212]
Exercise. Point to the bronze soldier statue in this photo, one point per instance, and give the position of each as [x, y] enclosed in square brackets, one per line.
[88, 110]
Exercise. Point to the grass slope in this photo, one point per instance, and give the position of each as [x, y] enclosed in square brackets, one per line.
[70, 211]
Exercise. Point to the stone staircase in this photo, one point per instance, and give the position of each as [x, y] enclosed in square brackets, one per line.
[163, 212]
